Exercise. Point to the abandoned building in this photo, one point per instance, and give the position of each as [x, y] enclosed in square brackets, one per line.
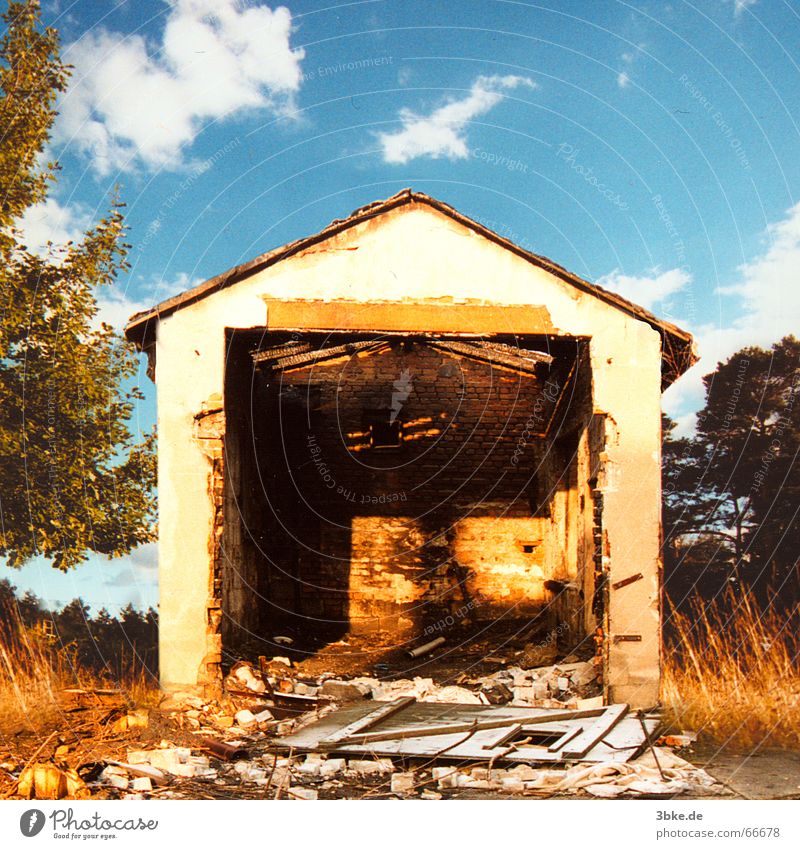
[402, 422]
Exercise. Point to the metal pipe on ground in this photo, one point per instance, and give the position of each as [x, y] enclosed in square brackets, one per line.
[427, 648]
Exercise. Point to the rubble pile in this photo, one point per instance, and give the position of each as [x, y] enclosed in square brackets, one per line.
[314, 776]
[223, 747]
[565, 684]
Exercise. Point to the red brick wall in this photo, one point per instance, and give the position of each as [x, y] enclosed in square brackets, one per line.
[401, 538]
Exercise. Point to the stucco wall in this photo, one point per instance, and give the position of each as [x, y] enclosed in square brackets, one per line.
[418, 255]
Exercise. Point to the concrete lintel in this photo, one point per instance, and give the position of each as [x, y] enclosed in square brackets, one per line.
[407, 317]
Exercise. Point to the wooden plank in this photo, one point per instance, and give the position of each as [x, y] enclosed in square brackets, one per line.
[624, 742]
[565, 738]
[463, 727]
[620, 744]
[592, 735]
[386, 710]
[457, 749]
[625, 737]
[308, 737]
[500, 736]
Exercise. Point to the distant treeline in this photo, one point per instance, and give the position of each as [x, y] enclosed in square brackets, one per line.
[114, 645]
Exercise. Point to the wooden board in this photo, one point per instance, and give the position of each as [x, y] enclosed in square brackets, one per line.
[484, 732]
[595, 732]
[378, 714]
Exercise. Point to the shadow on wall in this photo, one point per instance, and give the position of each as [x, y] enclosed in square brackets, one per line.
[385, 488]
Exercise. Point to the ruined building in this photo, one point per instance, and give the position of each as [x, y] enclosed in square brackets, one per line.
[401, 421]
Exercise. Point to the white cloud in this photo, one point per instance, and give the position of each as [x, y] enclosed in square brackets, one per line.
[740, 6]
[116, 305]
[767, 303]
[131, 101]
[441, 134]
[48, 221]
[648, 292]
[628, 59]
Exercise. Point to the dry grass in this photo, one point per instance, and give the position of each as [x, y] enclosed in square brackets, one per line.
[31, 675]
[731, 673]
[34, 671]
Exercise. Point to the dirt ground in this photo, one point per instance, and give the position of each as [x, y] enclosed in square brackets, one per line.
[761, 774]
[472, 650]
[93, 731]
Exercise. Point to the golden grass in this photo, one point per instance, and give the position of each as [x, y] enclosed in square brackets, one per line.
[34, 670]
[31, 675]
[731, 674]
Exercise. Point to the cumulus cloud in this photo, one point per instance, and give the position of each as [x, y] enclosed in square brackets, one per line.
[48, 226]
[767, 302]
[137, 567]
[628, 60]
[442, 133]
[650, 291]
[132, 102]
[49, 221]
[116, 305]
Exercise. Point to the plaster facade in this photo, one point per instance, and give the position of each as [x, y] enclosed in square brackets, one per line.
[411, 268]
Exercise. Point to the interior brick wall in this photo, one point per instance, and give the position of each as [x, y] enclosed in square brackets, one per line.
[467, 518]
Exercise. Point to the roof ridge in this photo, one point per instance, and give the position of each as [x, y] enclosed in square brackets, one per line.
[678, 344]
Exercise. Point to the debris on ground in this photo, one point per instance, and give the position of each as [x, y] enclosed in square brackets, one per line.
[462, 731]
[48, 781]
[545, 730]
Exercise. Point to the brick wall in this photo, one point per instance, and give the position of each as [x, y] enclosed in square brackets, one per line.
[468, 517]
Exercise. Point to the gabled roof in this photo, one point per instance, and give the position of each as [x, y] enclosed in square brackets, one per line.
[677, 345]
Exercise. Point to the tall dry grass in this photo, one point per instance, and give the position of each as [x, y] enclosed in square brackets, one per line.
[731, 673]
[35, 669]
[32, 673]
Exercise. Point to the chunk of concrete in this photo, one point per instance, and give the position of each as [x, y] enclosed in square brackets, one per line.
[310, 767]
[524, 695]
[115, 777]
[447, 777]
[307, 793]
[331, 767]
[403, 782]
[382, 766]
[168, 759]
[540, 690]
[341, 691]
[246, 719]
[497, 693]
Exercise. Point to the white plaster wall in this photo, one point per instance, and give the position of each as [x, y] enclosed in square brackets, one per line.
[412, 254]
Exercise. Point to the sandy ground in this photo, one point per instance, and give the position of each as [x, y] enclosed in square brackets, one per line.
[762, 774]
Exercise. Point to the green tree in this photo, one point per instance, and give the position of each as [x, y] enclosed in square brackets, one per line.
[74, 479]
[734, 488]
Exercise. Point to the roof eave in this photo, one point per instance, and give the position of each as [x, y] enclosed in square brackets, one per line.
[677, 345]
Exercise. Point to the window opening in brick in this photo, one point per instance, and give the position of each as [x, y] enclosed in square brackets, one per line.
[385, 429]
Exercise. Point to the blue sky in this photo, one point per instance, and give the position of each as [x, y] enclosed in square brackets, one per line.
[648, 146]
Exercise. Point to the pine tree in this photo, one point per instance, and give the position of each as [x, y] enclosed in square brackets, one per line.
[734, 488]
